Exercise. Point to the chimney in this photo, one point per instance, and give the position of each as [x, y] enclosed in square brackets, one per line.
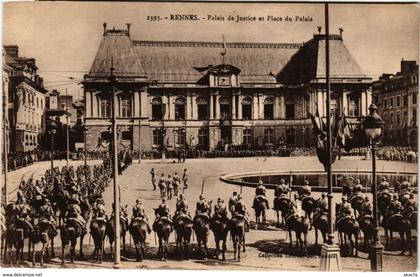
[12, 50]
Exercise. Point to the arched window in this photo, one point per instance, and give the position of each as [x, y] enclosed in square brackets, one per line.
[157, 108]
[247, 108]
[180, 108]
[202, 108]
[268, 108]
[125, 101]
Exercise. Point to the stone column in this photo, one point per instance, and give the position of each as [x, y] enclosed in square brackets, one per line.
[211, 105]
[282, 112]
[233, 106]
[239, 114]
[144, 104]
[345, 103]
[137, 103]
[363, 106]
[95, 104]
[276, 106]
[320, 103]
[194, 107]
[254, 106]
[170, 108]
[217, 106]
[88, 103]
[260, 106]
[369, 99]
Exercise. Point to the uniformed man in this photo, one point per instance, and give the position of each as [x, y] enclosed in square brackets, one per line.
[152, 174]
[323, 201]
[99, 209]
[297, 205]
[185, 178]
[260, 190]
[384, 185]
[395, 206]
[139, 212]
[306, 189]
[24, 212]
[202, 207]
[74, 211]
[367, 208]
[169, 186]
[123, 214]
[176, 183]
[162, 211]
[345, 208]
[239, 210]
[162, 185]
[220, 209]
[405, 185]
[46, 211]
[357, 186]
[232, 201]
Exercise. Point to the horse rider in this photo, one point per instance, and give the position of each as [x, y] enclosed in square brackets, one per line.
[357, 190]
[139, 212]
[202, 207]
[412, 202]
[367, 208]
[239, 210]
[185, 178]
[232, 201]
[260, 194]
[297, 205]
[169, 187]
[21, 190]
[306, 189]
[123, 214]
[46, 211]
[162, 184]
[395, 206]
[23, 212]
[182, 207]
[74, 211]
[323, 201]
[384, 185]
[405, 185]
[38, 193]
[99, 209]
[344, 210]
[162, 211]
[220, 209]
[281, 190]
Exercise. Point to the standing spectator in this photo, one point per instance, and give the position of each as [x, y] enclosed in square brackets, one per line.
[185, 178]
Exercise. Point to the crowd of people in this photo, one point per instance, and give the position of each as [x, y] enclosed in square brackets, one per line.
[388, 153]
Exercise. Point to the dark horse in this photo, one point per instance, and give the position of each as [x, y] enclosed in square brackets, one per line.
[300, 225]
[110, 232]
[320, 222]
[237, 231]
[97, 231]
[308, 205]
[19, 231]
[138, 230]
[397, 223]
[350, 227]
[202, 230]
[219, 226]
[163, 228]
[260, 206]
[367, 226]
[183, 226]
[281, 204]
[43, 233]
[384, 199]
[69, 233]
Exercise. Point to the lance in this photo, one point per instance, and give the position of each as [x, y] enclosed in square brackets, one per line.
[290, 185]
[202, 186]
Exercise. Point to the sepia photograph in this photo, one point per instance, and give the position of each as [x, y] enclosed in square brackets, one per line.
[209, 136]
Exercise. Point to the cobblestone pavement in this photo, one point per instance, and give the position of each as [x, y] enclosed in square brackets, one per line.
[267, 248]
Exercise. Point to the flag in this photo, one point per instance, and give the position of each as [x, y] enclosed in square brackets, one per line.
[224, 47]
[319, 127]
[342, 134]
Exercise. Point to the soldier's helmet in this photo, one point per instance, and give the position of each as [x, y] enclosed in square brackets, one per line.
[306, 182]
[201, 197]
[282, 181]
[366, 198]
[357, 181]
[219, 200]
[138, 200]
[260, 182]
[235, 193]
[163, 200]
[405, 179]
[344, 198]
[323, 195]
[239, 196]
[384, 179]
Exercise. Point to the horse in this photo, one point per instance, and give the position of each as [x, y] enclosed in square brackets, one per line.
[350, 227]
[320, 222]
[308, 205]
[44, 232]
[183, 226]
[97, 231]
[397, 223]
[367, 226]
[356, 202]
[19, 231]
[110, 231]
[219, 226]
[163, 228]
[260, 205]
[201, 227]
[281, 204]
[69, 232]
[300, 225]
[138, 230]
[237, 231]
[384, 199]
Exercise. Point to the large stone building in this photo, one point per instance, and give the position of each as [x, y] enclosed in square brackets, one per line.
[212, 94]
[24, 95]
[396, 98]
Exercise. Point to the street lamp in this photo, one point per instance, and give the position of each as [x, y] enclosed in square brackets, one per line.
[373, 125]
[52, 132]
[85, 131]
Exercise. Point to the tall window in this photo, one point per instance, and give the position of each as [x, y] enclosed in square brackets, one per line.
[333, 104]
[405, 117]
[414, 116]
[247, 108]
[405, 100]
[398, 101]
[127, 135]
[157, 137]
[157, 109]
[354, 106]
[247, 136]
[398, 118]
[202, 109]
[290, 136]
[391, 118]
[414, 95]
[105, 107]
[106, 136]
[385, 102]
[391, 101]
[268, 108]
[224, 108]
[203, 138]
[180, 108]
[290, 108]
[268, 135]
[180, 137]
[125, 106]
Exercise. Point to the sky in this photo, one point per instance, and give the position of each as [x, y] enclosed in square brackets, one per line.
[63, 37]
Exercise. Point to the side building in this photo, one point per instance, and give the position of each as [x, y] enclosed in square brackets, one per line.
[209, 95]
[396, 97]
[25, 100]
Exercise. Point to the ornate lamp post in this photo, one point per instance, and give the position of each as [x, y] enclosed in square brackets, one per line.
[373, 125]
[52, 131]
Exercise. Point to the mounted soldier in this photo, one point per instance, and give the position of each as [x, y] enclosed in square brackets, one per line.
[367, 208]
[182, 207]
[74, 212]
[232, 201]
[384, 185]
[202, 207]
[162, 211]
[297, 205]
[123, 214]
[344, 210]
[260, 192]
[39, 195]
[282, 189]
[395, 206]
[139, 212]
[23, 212]
[46, 212]
[99, 209]
[306, 190]
[405, 186]
[220, 209]
[239, 210]
[323, 203]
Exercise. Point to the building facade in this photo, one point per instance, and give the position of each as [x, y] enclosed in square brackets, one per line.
[210, 95]
[396, 98]
[25, 98]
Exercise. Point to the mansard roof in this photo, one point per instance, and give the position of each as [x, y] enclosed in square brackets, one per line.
[308, 64]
